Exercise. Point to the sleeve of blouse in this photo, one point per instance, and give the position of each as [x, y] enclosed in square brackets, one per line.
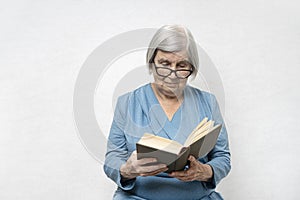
[219, 156]
[117, 152]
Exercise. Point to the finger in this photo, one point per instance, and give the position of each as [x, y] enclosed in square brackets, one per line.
[193, 160]
[145, 161]
[181, 173]
[191, 172]
[154, 172]
[160, 170]
[152, 168]
[185, 178]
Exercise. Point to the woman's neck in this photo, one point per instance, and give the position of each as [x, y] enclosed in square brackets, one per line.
[169, 104]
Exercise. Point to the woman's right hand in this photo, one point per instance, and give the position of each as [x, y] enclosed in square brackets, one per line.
[143, 167]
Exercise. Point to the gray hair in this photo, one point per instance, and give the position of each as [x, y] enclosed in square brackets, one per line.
[174, 38]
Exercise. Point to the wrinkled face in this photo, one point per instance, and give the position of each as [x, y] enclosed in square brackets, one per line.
[171, 85]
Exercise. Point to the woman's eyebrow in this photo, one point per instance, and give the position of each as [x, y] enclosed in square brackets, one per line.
[179, 62]
[163, 60]
[183, 62]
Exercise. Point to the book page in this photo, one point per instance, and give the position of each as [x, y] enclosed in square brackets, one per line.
[199, 133]
[194, 132]
[205, 141]
[204, 133]
[160, 143]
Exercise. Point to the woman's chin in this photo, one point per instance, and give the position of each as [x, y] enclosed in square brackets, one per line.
[169, 91]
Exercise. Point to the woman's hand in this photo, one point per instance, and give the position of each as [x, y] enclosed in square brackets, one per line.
[197, 171]
[143, 167]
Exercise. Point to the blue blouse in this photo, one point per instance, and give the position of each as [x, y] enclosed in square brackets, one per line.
[139, 112]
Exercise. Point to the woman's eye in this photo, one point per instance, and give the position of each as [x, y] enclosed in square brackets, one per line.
[165, 64]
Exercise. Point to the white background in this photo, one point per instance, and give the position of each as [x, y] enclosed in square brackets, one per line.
[254, 45]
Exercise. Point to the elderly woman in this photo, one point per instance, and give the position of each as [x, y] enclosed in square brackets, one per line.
[169, 108]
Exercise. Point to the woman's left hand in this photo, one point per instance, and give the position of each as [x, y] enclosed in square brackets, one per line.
[197, 171]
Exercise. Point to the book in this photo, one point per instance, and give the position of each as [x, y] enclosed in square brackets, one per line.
[175, 155]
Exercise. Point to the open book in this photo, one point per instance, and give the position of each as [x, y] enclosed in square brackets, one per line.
[202, 139]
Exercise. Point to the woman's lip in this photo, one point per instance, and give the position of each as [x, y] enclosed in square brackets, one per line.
[172, 85]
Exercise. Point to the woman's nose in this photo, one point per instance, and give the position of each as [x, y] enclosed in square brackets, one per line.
[172, 75]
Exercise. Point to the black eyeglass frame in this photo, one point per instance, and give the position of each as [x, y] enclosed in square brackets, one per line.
[175, 71]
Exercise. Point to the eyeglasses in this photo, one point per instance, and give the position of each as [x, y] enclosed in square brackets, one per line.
[180, 73]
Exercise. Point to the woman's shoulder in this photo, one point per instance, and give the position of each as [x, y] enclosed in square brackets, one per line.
[130, 102]
[135, 95]
[206, 100]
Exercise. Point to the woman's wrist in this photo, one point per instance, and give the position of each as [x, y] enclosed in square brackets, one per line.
[125, 173]
[209, 172]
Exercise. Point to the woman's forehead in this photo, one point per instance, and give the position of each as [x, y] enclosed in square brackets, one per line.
[172, 56]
